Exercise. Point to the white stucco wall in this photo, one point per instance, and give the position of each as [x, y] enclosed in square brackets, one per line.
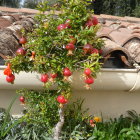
[108, 103]
[109, 96]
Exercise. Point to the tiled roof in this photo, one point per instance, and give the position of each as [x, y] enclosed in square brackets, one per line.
[121, 34]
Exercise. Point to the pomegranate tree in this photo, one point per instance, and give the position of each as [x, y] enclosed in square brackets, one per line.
[61, 44]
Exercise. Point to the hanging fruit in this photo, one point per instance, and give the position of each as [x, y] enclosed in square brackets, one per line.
[53, 76]
[89, 81]
[44, 78]
[87, 72]
[22, 99]
[62, 100]
[22, 40]
[94, 50]
[21, 51]
[100, 51]
[95, 21]
[92, 21]
[10, 78]
[92, 123]
[66, 73]
[61, 27]
[87, 48]
[8, 71]
[70, 47]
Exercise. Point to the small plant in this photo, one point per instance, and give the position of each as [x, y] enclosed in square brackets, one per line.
[7, 123]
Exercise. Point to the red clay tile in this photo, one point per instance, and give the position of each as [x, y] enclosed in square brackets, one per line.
[120, 37]
[133, 47]
[4, 22]
[103, 31]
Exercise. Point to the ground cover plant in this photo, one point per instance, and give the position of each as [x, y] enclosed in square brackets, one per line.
[79, 125]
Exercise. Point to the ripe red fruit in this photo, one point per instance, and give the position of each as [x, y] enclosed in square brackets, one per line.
[89, 80]
[61, 99]
[87, 48]
[61, 27]
[100, 51]
[70, 47]
[94, 50]
[22, 99]
[21, 51]
[94, 20]
[87, 71]
[91, 121]
[91, 22]
[23, 40]
[10, 78]
[54, 75]
[44, 78]
[67, 72]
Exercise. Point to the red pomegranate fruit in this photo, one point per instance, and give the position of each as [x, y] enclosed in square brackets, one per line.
[61, 99]
[44, 78]
[100, 51]
[21, 51]
[91, 121]
[61, 27]
[10, 78]
[66, 73]
[87, 71]
[53, 76]
[88, 81]
[70, 47]
[22, 99]
[89, 23]
[23, 40]
[94, 50]
[87, 48]
[93, 21]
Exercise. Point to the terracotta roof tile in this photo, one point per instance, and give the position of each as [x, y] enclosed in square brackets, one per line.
[121, 34]
[4, 22]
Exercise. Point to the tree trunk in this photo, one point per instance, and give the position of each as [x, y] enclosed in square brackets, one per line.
[59, 125]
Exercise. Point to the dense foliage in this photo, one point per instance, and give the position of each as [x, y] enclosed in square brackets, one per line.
[77, 125]
[117, 7]
[10, 3]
